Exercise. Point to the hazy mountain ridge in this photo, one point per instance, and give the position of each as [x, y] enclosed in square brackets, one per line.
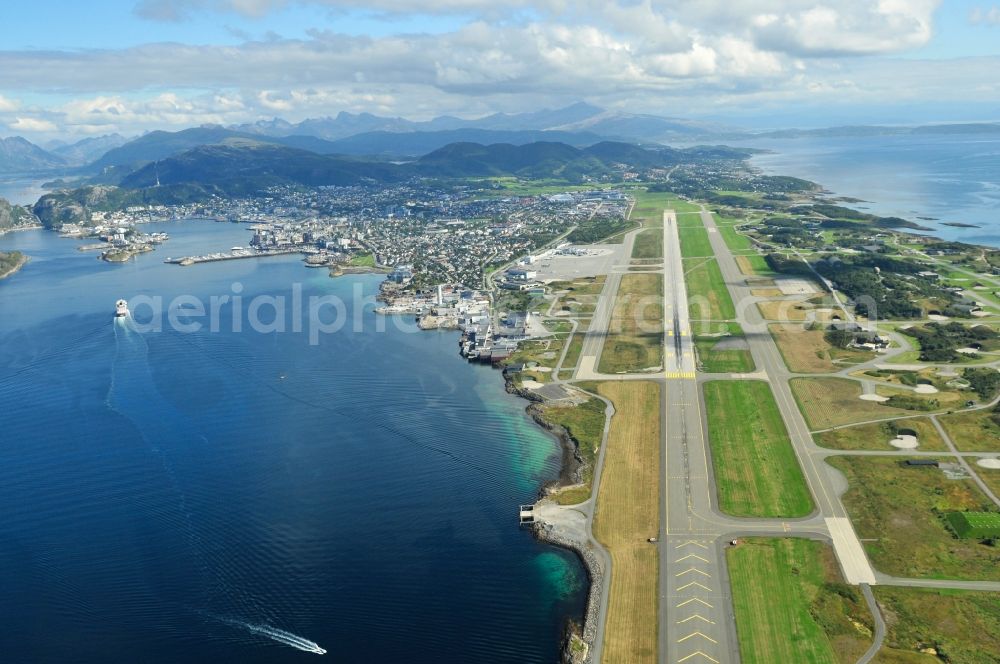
[89, 149]
[18, 155]
[246, 167]
[416, 143]
[245, 164]
[579, 117]
[162, 144]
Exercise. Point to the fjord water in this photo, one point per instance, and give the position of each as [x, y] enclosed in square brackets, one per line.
[238, 496]
[951, 178]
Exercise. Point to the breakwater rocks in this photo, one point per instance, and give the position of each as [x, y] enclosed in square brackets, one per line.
[572, 653]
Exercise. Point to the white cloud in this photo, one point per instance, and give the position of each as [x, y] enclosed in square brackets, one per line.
[844, 28]
[32, 124]
[985, 15]
[633, 54]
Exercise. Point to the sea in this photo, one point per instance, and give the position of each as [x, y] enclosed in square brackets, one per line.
[185, 488]
[22, 190]
[929, 178]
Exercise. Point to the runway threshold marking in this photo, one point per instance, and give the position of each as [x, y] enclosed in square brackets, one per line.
[680, 374]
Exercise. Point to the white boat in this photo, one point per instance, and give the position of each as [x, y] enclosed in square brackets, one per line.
[121, 309]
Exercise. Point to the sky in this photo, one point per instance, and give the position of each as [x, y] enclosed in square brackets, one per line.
[71, 69]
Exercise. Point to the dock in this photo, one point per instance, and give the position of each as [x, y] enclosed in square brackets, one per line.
[222, 256]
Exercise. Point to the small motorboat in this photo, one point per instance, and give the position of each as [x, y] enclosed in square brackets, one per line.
[121, 309]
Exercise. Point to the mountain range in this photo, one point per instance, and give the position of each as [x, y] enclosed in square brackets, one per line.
[18, 155]
[579, 117]
[243, 166]
[112, 158]
[240, 166]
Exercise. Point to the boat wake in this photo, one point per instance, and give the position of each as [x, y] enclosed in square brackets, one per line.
[275, 634]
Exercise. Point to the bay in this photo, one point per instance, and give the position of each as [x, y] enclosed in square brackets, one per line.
[182, 496]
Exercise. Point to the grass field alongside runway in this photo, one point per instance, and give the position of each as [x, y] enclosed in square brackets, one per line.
[627, 514]
[808, 351]
[694, 239]
[635, 332]
[648, 244]
[737, 243]
[756, 471]
[724, 354]
[792, 606]
[829, 402]
[708, 296]
[754, 265]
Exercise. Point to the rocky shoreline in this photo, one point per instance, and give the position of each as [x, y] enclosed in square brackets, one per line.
[17, 266]
[588, 633]
[577, 641]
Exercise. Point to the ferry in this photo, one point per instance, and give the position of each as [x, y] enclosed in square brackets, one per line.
[121, 309]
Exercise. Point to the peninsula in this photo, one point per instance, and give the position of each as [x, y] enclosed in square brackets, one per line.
[11, 262]
[738, 366]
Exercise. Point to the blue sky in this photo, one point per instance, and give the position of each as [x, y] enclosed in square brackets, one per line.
[116, 24]
[76, 69]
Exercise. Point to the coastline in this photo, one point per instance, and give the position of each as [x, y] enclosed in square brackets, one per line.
[954, 216]
[570, 474]
[343, 270]
[16, 267]
[17, 229]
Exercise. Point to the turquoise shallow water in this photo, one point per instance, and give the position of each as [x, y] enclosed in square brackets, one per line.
[173, 496]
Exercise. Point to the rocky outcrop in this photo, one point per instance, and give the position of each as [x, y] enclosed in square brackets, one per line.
[595, 571]
[571, 470]
[15, 216]
[73, 207]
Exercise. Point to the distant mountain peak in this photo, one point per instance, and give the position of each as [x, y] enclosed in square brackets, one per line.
[19, 155]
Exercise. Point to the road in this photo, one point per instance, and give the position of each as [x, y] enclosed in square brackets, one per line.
[695, 607]
[696, 623]
[694, 586]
